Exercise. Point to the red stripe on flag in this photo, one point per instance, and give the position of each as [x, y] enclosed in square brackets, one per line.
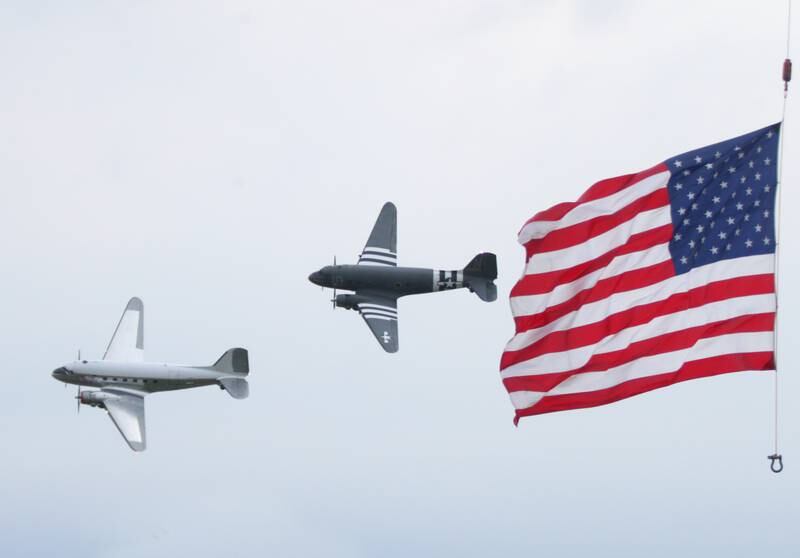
[583, 231]
[598, 190]
[691, 370]
[627, 281]
[659, 344]
[538, 283]
[590, 334]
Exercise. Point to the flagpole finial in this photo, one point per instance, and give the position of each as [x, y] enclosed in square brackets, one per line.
[775, 462]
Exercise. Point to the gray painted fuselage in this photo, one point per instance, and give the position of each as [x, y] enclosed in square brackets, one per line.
[390, 281]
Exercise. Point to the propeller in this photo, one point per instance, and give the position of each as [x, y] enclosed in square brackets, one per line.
[78, 397]
[333, 300]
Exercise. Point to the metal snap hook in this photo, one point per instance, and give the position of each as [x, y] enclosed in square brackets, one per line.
[775, 462]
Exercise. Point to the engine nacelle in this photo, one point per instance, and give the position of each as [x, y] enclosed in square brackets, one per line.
[348, 301]
[96, 398]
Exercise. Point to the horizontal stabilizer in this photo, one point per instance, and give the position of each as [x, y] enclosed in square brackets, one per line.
[237, 387]
[486, 290]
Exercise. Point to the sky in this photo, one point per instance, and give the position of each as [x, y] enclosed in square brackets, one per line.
[207, 156]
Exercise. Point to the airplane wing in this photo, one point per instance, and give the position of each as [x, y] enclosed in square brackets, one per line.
[381, 248]
[126, 410]
[127, 343]
[380, 314]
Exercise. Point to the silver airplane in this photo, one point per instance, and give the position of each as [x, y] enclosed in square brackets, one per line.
[124, 378]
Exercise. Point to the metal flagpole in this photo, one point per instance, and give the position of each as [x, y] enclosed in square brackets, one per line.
[776, 459]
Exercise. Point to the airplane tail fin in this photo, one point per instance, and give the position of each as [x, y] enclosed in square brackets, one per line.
[233, 360]
[236, 363]
[480, 274]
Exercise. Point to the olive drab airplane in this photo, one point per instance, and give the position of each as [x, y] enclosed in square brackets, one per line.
[378, 281]
[124, 378]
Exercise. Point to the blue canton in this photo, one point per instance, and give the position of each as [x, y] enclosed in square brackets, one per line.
[722, 199]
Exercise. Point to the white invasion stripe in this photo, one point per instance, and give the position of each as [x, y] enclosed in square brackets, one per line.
[367, 262]
[573, 359]
[378, 312]
[602, 206]
[544, 262]
[370, 305]
[597, 311]
[533, 304]
[378, 249]
[386, 259]
[378, 254]
[734, 343]
[378, 317]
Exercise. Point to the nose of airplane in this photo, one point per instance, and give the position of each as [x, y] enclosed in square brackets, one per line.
[59, 373]
[315, 277]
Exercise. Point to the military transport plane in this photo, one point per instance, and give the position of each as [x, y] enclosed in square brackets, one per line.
[378, 282]
[124, 378]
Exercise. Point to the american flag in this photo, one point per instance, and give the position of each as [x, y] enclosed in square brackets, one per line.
[647, 280]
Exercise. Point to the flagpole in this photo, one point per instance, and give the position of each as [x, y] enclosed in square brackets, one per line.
[776, 460]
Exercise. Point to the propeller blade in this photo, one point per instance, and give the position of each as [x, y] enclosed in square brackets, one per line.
[78, 397]
[333, 300]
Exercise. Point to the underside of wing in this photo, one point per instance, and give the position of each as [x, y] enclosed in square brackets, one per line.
[126, 409]
[381, 248]
[380, 314]
[127, 343]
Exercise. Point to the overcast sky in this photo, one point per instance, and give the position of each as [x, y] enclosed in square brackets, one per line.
[207, 156]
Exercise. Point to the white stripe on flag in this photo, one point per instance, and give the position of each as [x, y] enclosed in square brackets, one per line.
[597, 311]
[565, 258]
[574, 359]
[735, 343]
[533, 304]
[750, 342]
[596, 208]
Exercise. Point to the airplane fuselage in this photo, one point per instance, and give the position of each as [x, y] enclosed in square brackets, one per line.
[148, 377]
[393, 281]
